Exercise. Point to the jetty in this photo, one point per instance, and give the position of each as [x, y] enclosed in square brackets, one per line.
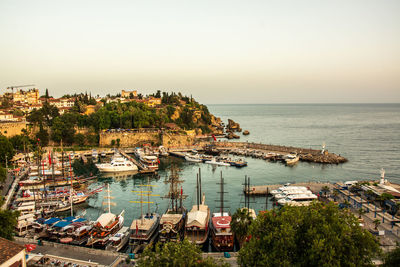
[258, 149]
[142, 168]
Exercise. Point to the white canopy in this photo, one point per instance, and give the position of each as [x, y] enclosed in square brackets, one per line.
[105, 219]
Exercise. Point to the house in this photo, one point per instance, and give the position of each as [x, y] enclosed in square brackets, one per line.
[127, 94]
[11, 253]
[30, 97]
[90, 109]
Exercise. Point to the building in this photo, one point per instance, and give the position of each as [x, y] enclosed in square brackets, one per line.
[127, 94]
[29, 97]
[90, 109]
[11, 254]
[153, 101]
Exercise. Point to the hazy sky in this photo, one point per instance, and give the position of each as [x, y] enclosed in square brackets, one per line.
[218, 51]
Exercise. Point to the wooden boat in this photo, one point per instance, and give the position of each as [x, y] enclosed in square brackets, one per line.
[197, 224]
[144, 231]
[221, 233]
[172, 223]
[105, 226]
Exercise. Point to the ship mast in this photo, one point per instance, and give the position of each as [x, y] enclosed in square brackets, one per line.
[174, 193]
[108, 197]
[222, 192]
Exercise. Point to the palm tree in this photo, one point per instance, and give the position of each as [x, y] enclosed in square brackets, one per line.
[240, 224]
[325, 190]
[335, 194]
[377, 223]
[361, 211]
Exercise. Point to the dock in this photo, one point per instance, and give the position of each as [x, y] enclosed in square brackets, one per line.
[142, 168]
[305, 154]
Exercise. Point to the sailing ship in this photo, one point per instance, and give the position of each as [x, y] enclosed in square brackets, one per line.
[172, 223]
[221, 233]
[197, 228]
[106, 225]
[143, 231]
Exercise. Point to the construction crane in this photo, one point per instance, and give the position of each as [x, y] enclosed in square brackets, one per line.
[18, 86]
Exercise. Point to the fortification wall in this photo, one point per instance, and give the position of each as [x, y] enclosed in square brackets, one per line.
[129, 139]
[10, 129]
[154, 137]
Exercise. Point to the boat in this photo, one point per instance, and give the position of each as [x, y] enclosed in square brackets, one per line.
[119, 240]
[286, 188]
[172, 222]
[298, 200]
[144, 231]
[222, 236]
[95, 154]
[193, 158]
[151, 162]
[198, 219]
[238, 163]
[105, 226]
[291, 159]
[117, 164]
[287, 193]
[214, 161]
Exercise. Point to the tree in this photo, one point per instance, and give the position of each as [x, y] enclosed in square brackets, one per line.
[79, 139]
[8, 221]
[392, 258]
[42, 136]
[335, 194]
[317, 235]
[6, 149]
[240, 224]
[361, 211]
[376, 222]
[3, 174]
[325, 190]
[176, 254]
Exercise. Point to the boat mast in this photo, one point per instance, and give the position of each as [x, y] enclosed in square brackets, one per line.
[222, 195]
[197, 193]
[174, 193]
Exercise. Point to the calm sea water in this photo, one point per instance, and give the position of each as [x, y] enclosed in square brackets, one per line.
[367, 134]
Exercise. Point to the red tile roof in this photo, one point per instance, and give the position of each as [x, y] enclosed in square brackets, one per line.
[8, 249]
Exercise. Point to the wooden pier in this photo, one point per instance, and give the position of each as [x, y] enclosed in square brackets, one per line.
[142, 168]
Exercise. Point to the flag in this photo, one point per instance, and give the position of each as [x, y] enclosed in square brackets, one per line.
[137, 228]
[213, 136]
[49, 158]
[181, 191]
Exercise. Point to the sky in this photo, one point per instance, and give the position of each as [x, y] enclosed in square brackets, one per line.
[341, 51]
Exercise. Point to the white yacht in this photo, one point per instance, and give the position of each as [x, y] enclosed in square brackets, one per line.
[214, 161]
[119, 240]
[193, 158]
[298, 200]
[292, 192]
[284, 189]
[117, 164]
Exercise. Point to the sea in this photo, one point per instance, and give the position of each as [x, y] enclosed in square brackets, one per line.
[368, 135]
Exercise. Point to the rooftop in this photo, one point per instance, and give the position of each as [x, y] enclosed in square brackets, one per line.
[8, 249]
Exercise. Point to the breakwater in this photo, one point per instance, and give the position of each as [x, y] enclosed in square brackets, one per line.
[305, 154]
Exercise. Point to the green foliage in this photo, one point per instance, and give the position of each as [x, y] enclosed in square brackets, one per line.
[63, 129]
[317, 235]
[80, 139]
[3, 174]
[8, 222]
[6, 149]
[392, 258]
[176, 254]
[43, 136]
[240, 224]
[86, 169]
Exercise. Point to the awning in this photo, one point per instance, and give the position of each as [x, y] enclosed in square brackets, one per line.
[70, 218]
[51, 220]
[62, 224]
[80, 220]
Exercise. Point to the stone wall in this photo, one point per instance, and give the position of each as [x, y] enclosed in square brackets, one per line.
[153, 137]
[10, 129]
[129, 139]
